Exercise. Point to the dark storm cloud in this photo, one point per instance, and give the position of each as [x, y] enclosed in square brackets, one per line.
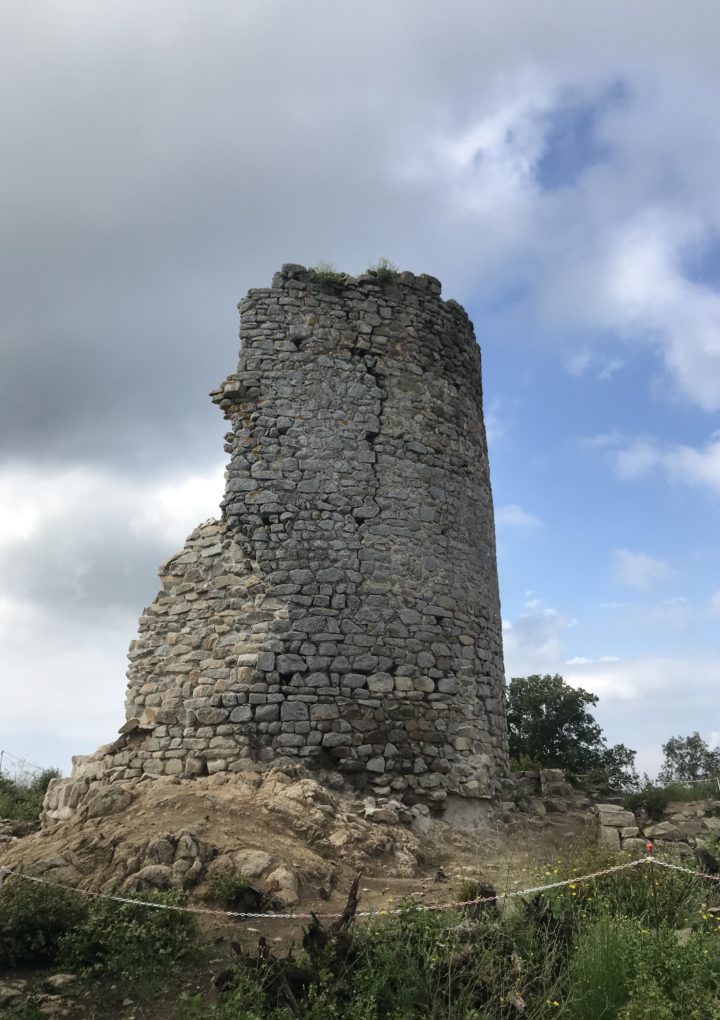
[151, 179]
[162, 158]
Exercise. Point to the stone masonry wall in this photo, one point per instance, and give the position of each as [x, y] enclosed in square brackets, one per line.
[345, 612]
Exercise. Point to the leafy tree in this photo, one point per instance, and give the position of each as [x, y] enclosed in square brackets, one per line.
[550, 724]
[22, 798]
[687, 759]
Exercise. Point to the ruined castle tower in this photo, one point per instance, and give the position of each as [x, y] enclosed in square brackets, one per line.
[344, 613]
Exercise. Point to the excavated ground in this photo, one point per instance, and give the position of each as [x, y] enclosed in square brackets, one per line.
[297, 841]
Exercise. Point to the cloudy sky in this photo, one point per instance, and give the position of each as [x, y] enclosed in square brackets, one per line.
[554, 163]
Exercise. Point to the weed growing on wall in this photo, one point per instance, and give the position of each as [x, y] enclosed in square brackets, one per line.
[326, 275]
[385, 271]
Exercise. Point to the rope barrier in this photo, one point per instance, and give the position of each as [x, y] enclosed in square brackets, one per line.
[7, 872]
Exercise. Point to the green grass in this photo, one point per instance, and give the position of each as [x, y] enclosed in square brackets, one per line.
[605, 949]
[602, 950]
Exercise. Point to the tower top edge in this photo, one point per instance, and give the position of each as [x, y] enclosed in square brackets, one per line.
[338, 285]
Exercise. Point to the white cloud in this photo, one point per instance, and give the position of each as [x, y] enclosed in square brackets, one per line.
[698, 467]
[533, 641]
[173, 508]
[715, 603]
[513, 516]
[76, 569]
[632, 679]
[76, 499]
[73, 682]
[637, 570]
[602, 440]
[586, 362]
[581, 660]
[610, 368]
[603, 257]
[636, 459]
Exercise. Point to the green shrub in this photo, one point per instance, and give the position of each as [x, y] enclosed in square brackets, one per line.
[34, 919]
[693, 791]
[22, 799]
[244, 1001]
[654, 798]
[229, 889]
[328, 277]
[28, 1009]
[524, 763]
[385, 271]
[130, 940]
[683, 979]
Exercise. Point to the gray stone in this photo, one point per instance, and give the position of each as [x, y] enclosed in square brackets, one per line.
[291, 664]
[323, 712]
[107, 800]
[665, 831]
[609, 836]
[611, 814]
[629, 832]
[153, 876]
[380, 683]
[382, 814]
[293, 711]
[267, 713]
[285, 886]
[56, 982]
[252, 863]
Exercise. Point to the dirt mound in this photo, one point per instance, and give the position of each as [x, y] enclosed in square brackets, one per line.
[295, 841]
[287, 833]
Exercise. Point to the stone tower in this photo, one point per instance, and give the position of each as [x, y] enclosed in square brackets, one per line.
[344, 613]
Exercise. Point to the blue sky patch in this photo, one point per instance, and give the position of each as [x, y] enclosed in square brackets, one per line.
[572, 145]
[700, 262]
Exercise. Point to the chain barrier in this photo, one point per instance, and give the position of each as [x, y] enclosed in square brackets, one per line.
[687, 871]
[7, 873]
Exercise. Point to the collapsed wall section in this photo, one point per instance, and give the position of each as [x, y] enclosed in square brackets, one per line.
[345, 612]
